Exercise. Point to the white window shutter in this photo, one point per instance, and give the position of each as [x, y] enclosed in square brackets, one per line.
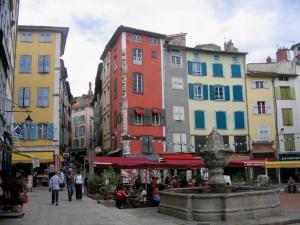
[255, 108]
[254, 84]
[266, 84]
[176, 141]
[181, 112]
[176, 113]
[264, 132]
[268, 107]
[183, 142]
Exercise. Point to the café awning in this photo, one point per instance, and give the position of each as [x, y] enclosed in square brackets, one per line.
[26, 157]
[247, 163]
[282, 164]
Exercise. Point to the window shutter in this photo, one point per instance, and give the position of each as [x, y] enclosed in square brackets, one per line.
[239, 120]
[199, 119]
[263, 132]
[131, 115]
[212, 92]
[237, 93]
[255, 108]
[27, 97]
[46, 97]
[190, 68]
[21, 103]
[203, 68]
[236, 70]
[50, 131]
[163, 117]
[181, 113]
[46, 63]
[292, 93]
[144, 144]
[221, 120]
[22, 63]
[26, 133]
[266, 84]
[147, 117]
[33, 131]
[268, 107]
[183, 142]
[278, 93]
[28, 63]
[41, 63]
[253, 84]
[205, 91]
[218, 70]
[176, 113]
[134, 86]
[227, 93]
[191, 91]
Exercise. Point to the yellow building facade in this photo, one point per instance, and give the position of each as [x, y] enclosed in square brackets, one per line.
[37, 88]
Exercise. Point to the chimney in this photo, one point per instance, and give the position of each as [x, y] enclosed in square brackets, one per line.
[269, 59]
[90, 92]
[282, 54]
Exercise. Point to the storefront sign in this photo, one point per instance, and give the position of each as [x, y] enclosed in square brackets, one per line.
[35, 162]
[289, 156]
[56, 161]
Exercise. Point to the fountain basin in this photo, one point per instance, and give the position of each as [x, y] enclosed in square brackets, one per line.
[197, 204]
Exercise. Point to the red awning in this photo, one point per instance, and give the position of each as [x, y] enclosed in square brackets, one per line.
[247, 163]
[139, 111]
[156, 111]
[183, 163]
[177, 156]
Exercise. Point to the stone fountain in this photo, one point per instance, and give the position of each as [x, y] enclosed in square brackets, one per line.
[219, 202]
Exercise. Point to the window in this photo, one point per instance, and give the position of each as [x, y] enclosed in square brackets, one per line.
[25, 64]
[76, 131]
[43, 97]
[153, 41]
[199, 119]
[285, 93]
[198, 91]
[289, 142]
[176, 61]
[24, 97]
[138, 83]
[196, 55]
[235, 58]
[178, 112]
[42, 131]
[76, 143]
[137, 56]
[45, 37]
[200, 142]
[177, 83]
[287, 117]
[237, 93]
[139, 116]
[221, 120]
[283, 78]
[81, 130]
[262, 107]
[263, 132]
[81, 119]
[75, 120]
[26, 37]
[197, 69]
[179, 140]
[156, 117]
[236, 70]
[258, 84]
[239, 120]
[226, 141]
[153, 54]
[136, 38]
[219, 93]
[240, 143]
[216, 57]
[115, 88]
[217, 70]
[115, 63]
[147, 144]
[44, 64]
[82, 142]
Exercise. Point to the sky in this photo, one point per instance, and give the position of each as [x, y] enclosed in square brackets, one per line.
[258, 27]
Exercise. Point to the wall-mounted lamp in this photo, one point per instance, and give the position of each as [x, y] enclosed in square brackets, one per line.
[28, 121]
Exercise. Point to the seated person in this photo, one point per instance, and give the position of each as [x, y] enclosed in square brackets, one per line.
[121, 197]
[291, 185]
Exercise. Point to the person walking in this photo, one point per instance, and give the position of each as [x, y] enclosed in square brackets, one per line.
[78, 185]
[54, 187]
[70, 183]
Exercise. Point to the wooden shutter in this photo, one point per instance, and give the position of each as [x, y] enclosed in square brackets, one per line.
[292, 93]
[221, 120]
[176, 113]
[50, 131]
[236, 70]
[21, 96]
[147, 117]
[46, 63]
[190, 68]
[268, 107]
[263, 132]
[212, 92]
[218, 70]
[255, 108]
[239, 120]
[134, 85]
[131, 113]
[191, 91]
[203, 69]
[26, 97]
[227, 93]
[33, 131]
[278, 93]
[205, 91]
[163, 117]
[266, 84]
[253, 83]
[41, 64]
[181, 113]
[199, 119]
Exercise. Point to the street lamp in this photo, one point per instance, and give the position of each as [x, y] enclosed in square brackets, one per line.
[28, 121]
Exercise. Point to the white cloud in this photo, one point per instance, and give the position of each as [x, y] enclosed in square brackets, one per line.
[254, 26]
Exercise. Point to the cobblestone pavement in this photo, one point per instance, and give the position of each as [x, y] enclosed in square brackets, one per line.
[88, 212]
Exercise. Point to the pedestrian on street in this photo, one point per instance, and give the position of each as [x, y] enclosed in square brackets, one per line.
[54, 187]
[291, 185]
[78, 185]
[70, 183]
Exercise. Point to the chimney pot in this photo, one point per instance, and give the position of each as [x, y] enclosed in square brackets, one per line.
[269, 59]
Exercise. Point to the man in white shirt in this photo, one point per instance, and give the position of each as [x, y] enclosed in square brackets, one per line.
[54, 187]
[78, 185]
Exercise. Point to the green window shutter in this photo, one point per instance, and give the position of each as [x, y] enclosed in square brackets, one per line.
[212, 92]
[191, 91]
[204, 70]
[239, 120]
[277, 93]
[50, 131]
[292, 93]
[199, 119]
[221, 120]
[287, 117]
[236, 70]
[205, 91]
[289, 142]
[227, 93]
[237, 92]
[190, 68]
[217, 70]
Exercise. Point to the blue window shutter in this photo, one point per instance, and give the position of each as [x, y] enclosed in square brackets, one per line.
[41, 63]
[27, 97]
[25, 132]
[22, 63]
[190, 67]
[33, 131]
[20, 103]
[50, 131]
[212, 92]
[204, 70]
[46, 97]
[28, 63]
[239, 120]
[236, 70]
[191, 91]
[205, 91]
[237, 93]
[199, 119]
[221, 120]
[227, 93]
[47, 64]
[217, 70]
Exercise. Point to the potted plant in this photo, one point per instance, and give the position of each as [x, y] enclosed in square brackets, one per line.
[94, 184]
[110, 180]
